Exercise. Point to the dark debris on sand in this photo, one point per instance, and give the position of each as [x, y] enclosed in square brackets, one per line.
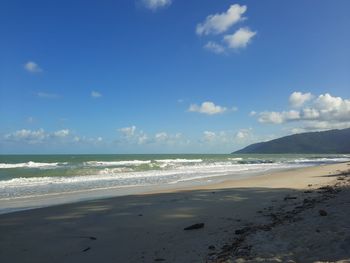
[195, 226]
[238, 248]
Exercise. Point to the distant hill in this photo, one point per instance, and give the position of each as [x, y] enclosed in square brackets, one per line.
[332, 141]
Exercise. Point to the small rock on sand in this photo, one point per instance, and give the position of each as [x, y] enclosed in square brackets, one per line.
[195, 226]
[290, 198]
[242, 231]
[322, 213]
[86, 249]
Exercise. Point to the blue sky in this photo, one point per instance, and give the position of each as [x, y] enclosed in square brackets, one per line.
[169, 76]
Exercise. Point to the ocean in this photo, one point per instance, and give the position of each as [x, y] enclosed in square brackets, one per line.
[24, 177]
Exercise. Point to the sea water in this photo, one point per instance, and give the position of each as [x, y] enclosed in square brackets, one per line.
[42, 176]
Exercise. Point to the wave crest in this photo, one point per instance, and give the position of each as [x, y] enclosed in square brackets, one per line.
[29, 164]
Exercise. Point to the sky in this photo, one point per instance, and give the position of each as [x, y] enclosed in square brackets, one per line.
[169, 76]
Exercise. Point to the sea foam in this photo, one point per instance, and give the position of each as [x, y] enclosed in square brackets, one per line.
[29, 164]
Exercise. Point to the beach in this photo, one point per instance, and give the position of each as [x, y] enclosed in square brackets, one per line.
[169, 131]
[299, 215]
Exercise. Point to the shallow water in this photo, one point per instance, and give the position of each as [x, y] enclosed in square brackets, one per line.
[40, 175]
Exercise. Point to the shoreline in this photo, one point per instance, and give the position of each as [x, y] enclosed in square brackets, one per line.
[75, 178]
[149, 227]
[12, 205]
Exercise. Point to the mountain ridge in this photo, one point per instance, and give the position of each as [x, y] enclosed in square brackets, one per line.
[330, 141]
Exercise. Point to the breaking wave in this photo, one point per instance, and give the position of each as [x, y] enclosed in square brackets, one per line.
[29, 164]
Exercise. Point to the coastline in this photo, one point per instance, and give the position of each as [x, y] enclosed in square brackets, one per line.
[149, 227]
[10, 205]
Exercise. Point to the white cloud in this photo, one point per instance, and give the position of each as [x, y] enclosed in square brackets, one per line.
[270, 117]
[81, 140]
[128, 131]
[310, 113]
[51, 139]
[95, 94]
[309, 126]
[207, 107]
[239, 39]
[328, 103]
[164, 138]
[322, 113]
[219, 23]
[156, 4]
[62, 133]
[36, 136]
[225, 138]
[291, 115]
[142, 138]
[240, 135]
[324, 108]
[133, 136]
[215, 47]
[278, 117]
[32, 67]
[298, 99]
[28, 136]
[161, 136]
[244, 134]
[252, 113]
[45, 95]
[209, 136]
[332, 108]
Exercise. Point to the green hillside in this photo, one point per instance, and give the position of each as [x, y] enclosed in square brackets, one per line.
[332, 141]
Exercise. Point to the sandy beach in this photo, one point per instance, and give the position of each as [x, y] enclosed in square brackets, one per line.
[294, 216]
[147, 131]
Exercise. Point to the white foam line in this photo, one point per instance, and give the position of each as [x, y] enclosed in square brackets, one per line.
[116, 163]
[179, 161]
[29, 164]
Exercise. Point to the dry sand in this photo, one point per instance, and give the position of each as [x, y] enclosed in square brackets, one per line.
[261, 219]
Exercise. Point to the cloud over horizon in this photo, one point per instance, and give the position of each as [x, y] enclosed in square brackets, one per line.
[35, 136]
[321, 113]
[41, 137]
[132, 135]
[128, 131]
[228, 137]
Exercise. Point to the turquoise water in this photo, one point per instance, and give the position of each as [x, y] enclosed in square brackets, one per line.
[39, 175]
